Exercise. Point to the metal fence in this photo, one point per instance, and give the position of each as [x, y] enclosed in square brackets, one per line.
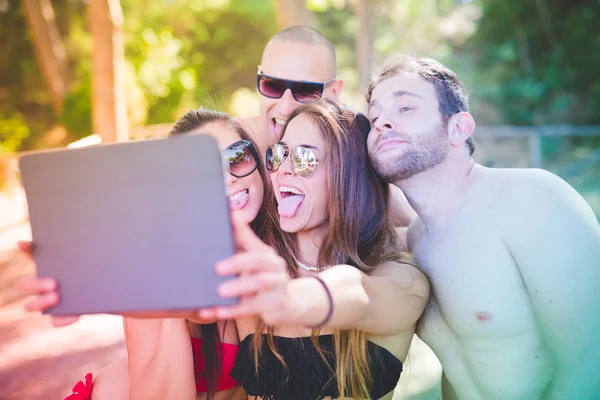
[551, 147]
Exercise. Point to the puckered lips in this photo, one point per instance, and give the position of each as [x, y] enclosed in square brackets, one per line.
[389, 144]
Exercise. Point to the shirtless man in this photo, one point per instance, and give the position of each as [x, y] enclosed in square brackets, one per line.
[304, 59]
[513, 255]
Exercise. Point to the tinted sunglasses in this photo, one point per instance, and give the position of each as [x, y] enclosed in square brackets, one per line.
[304, 161]
[302, 91]
[241, 158]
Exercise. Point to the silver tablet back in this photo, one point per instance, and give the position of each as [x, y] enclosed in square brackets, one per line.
[130, 226]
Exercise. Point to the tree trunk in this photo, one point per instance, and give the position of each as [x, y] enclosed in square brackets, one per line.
[363, 9]
[293, 12]
[49, 49]
[109, 108]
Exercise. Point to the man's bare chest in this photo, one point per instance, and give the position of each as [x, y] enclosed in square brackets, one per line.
[476, 284]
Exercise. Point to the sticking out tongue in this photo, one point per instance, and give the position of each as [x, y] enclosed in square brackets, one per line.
[277, 128]
[238, 201]
[288, 206]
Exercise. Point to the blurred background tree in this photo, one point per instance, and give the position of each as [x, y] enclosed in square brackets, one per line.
[180, 54]
[524, 61]
[541, 58]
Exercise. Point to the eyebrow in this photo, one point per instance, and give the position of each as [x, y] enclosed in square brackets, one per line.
[401, 93]
[308, 146]
[373, 103]
[397, 94]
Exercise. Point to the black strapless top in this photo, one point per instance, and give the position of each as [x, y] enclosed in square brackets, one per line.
[308, 377]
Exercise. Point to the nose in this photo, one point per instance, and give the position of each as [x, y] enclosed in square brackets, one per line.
[384, 123]
[229, 179]
[286, 167]
[287, 103]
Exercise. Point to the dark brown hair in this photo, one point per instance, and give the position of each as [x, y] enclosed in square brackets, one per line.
[451, 93]
[359, 233]
[190, 122]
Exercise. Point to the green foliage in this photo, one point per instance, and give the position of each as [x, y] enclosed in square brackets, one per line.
[543, 56]
[195, 53]
[181, 54]
[13, 130]
[23, 96]
[523, 61]
[77, 117]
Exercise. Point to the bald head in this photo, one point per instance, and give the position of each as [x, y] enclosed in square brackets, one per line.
[304, 35]
[301, 54]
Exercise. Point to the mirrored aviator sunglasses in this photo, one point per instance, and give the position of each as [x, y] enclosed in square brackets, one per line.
[241, 158]
[304, 161]
[302, 91]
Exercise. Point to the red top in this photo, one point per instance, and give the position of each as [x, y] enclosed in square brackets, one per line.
[229, 352]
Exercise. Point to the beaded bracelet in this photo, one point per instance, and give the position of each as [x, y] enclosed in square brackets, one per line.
[330, 312]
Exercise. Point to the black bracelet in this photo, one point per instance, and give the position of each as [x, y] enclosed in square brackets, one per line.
[330, 312]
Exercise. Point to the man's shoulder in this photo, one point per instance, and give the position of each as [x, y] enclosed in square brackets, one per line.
[523, 184]
[525, 176]
[539, 177]
[541, 197]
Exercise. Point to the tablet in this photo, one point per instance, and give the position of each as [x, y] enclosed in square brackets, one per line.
[133, 226]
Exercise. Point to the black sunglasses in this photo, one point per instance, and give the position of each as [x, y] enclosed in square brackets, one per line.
[241, 158]
[302, 91]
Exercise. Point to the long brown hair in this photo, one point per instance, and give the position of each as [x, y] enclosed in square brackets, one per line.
[359, 230]
[191, 121]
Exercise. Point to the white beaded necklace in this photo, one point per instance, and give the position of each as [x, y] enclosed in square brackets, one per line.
[306, 267]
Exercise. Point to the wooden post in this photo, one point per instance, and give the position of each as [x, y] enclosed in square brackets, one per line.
[109, 107]
[49, 49]
[293, 12]
[363, 9]
[535, 150]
